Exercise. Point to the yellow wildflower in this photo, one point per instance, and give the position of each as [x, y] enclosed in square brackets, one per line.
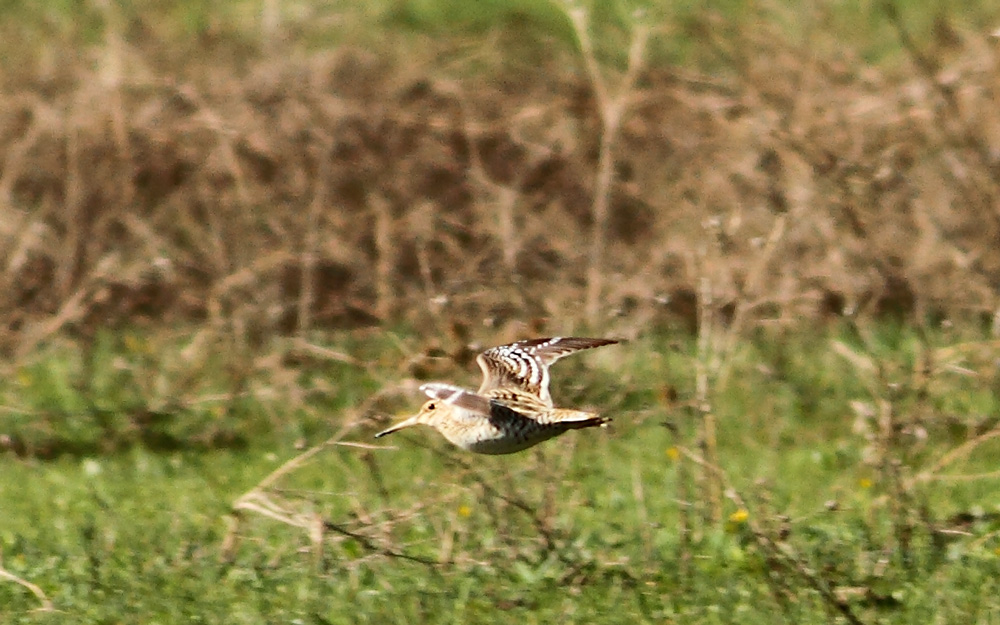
[134, 344]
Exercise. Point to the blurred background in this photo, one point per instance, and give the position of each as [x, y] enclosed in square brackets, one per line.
[246, 227]
[473, 173]
[331, 165]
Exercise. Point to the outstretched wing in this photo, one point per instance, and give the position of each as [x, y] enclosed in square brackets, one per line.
[525, 364]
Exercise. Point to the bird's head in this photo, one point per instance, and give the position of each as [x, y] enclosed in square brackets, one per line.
[431, 413]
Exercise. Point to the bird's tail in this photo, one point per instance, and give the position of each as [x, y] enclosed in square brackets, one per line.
[578, 419]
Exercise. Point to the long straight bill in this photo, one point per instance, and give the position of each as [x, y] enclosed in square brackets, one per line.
[399, 426]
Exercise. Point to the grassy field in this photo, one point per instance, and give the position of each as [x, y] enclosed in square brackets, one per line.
[822, 513]
[235, 238]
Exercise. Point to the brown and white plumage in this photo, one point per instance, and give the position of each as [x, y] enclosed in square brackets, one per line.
[525, 364]
[512, 410]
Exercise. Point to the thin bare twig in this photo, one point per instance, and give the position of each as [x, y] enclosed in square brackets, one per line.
[35, 590]
[370, 545]
[962, 451]
[310, 242]
[611, 106]
[775, 549]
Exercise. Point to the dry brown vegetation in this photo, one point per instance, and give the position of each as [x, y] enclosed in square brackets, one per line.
[232, 190]
[398, 185]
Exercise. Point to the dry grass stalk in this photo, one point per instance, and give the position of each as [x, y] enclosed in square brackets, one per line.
[35, 590]
[780, 555]
[16, 158]
[386, 254]
[685, 523]
[501, 199]
[639, 494]
[269, 500]
[717, 345]
[266, 500]
[311, 240]
[704, 374]
[886, 444]
[890, 431]
[73, 310]
[751, 294]
[223, 171]
[612, 104]
[270, 21]
[934, 471]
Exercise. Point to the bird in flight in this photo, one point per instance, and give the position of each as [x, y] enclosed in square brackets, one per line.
[512, 410]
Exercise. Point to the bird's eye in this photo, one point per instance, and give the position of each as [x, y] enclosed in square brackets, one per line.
[431, 406]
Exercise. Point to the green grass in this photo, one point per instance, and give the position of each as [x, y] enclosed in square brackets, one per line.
[134, 533]
[860, 27]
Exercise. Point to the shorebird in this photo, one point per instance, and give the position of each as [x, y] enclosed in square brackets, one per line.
[512, 410]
